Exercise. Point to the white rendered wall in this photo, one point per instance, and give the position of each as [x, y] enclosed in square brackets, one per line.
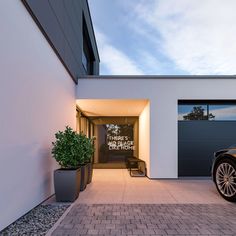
[144, 137]
[163, 95]
[37, 98]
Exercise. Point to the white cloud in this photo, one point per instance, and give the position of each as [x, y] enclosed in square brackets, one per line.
[114, 60]
[198, 36]
[150, 63]
[228, 113]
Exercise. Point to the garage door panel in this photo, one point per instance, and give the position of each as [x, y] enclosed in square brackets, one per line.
[198, 140]
[206, 130]
[200, 167]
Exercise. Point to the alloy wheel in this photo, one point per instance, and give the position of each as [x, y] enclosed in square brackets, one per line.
[226, 179]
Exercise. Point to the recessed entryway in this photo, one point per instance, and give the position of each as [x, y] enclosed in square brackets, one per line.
[119, 127]
[116, 140]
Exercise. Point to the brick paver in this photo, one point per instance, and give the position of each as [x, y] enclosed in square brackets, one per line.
[149, 219]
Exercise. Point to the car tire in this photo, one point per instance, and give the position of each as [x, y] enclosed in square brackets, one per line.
[225, 179]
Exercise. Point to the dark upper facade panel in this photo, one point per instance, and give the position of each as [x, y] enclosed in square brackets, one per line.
[68, 28]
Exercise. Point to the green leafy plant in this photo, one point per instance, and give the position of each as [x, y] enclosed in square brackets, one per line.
[88, 147]
[71, 149]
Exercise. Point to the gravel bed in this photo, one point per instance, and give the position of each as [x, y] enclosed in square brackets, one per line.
[36, 222]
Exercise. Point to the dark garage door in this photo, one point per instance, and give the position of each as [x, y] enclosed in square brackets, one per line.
[199, 139]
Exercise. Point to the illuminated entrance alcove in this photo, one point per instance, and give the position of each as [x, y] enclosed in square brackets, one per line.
[119, 127]
[116, 139]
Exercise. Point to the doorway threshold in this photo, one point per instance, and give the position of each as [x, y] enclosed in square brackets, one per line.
[120, 165]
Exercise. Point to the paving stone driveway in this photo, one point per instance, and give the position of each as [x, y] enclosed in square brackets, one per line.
[149, 219]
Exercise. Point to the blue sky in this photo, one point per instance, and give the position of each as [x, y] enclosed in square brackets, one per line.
[165, 37]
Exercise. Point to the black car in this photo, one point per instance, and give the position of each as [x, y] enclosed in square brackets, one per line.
[224, 172]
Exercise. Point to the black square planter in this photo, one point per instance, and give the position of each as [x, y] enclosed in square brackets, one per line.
[84, 176]
[90, 172]
[67, 184]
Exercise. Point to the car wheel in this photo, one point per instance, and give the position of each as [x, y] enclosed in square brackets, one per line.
[225, 179]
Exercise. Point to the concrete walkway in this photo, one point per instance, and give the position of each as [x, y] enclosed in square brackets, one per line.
[116, 204]
[116, 186]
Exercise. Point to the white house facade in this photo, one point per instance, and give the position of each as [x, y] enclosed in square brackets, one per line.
[158, 120]
[49, 79]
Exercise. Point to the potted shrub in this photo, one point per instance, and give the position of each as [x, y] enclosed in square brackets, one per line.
[68, 153]
[89, 158]
[85, 163]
